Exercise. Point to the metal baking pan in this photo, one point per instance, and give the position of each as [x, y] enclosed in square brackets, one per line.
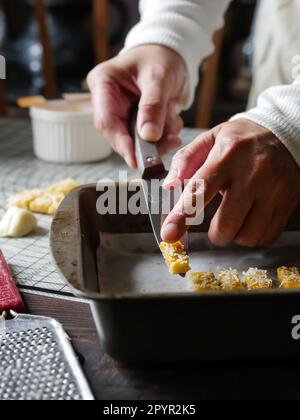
[158, 319]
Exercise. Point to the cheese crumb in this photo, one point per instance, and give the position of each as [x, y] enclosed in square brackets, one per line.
[204, 282]
[289, 278]
[230, 280]
[256, 279]
[176, 257]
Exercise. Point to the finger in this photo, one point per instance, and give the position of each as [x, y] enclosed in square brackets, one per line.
[168, 143]
[229, 217]
[201, 189]
[189, 159]
[153, 109]
[276, 227]
[120, 140]
[170, 139]
[123, 145]
[174, 125]
[255, 224]
[111, 120]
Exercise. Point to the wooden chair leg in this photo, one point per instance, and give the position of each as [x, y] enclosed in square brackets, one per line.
[3, 108]
[100, 24]
[51, 89]
[207, 95]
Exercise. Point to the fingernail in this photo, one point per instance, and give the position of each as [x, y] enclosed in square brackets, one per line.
[172, 179]
[150, 132]
[170, 232]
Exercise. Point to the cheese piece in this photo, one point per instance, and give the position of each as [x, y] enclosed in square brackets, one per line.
[204, 282]
[23, 200]
[17, 223]
[62, 187]
[230, 280]
[41, 204]
[256, 279]
[176, 257]
[45, 200]
[289, 278]
[57, 199]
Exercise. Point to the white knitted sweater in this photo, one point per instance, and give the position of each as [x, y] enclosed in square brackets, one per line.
[187, 26]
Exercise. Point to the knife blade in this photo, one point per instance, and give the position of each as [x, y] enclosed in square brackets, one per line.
[151, 167]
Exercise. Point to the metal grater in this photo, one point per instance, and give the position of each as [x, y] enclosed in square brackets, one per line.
[37, 361]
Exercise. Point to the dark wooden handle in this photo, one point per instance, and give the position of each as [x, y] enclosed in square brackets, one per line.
[150, 164]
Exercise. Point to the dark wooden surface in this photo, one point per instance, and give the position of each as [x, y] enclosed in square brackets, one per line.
[110, 380]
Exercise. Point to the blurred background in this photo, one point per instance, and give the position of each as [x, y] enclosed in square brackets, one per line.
[50, 46]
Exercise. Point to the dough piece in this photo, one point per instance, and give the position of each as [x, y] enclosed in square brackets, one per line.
[230, 280]
[176, 257]
[256, 279]
[204, 282]
[289, 278]
[44, 201]
[17, 223]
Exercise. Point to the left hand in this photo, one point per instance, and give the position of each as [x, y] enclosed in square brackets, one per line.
[256, 175]
[150, 76]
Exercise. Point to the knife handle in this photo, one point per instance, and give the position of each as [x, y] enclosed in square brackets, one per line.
[149, 161]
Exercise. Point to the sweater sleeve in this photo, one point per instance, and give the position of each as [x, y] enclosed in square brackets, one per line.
[185, 26]
[278, 110]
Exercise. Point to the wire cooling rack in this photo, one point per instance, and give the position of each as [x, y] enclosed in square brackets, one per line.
[29, 258]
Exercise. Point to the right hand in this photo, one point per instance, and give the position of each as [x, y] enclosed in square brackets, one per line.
[152, 76]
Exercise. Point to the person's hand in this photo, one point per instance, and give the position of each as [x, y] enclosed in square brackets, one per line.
[152, 77]
[255, 173]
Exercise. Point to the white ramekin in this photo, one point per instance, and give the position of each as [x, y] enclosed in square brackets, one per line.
[64, 133]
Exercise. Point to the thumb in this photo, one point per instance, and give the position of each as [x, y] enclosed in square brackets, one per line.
[153, 109]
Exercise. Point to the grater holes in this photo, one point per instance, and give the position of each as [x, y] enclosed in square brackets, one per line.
[33, 358]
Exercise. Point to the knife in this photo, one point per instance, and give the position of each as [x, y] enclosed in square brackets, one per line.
[151, 167]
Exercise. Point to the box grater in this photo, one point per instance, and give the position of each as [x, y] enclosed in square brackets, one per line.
[37, 361]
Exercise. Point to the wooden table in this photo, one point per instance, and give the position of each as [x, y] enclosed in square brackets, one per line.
[109, 380]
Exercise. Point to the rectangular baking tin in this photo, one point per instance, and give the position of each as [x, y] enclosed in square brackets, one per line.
[168, 327]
